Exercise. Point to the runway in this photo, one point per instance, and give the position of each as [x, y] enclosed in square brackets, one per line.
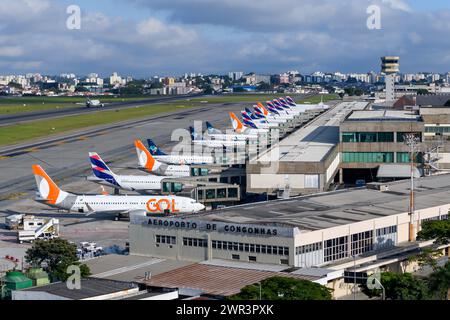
[78, 109]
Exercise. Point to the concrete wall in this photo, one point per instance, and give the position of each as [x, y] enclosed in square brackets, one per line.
[142, 242]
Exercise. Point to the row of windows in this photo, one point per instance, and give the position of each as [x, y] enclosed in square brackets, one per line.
[309, 248]
[221, 193]
[336, 249]
[439, 129]
[386, 230]
[248, 247]
[442, 217]
[194, 242]
[128, 203]
[368, 157]
[362, 242]
[166, 239]
[370, 137]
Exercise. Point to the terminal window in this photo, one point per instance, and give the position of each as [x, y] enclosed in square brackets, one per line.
[248, 247]
[165, 239]
[336, 249]
[368, 157]
[362, 242]
[195, 242]
[367, 137]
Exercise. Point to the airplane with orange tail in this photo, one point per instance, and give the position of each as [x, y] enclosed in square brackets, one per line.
[50, 194]
[149, 164]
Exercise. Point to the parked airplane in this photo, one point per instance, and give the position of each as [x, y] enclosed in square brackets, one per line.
[151, 165]
[217, 134]
[50, 194]
[160, 155]
[212, 143]
[105, 176]
[259, 124]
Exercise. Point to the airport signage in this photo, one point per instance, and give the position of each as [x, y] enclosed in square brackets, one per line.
[223, 227]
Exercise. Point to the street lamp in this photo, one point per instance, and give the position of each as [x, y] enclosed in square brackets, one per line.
[383, 296]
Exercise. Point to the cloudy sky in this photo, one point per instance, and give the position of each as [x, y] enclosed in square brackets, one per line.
[150, 37]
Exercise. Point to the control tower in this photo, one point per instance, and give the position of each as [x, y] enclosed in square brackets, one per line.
[390, 67]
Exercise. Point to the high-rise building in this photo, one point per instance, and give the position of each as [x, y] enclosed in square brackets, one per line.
[235, 75]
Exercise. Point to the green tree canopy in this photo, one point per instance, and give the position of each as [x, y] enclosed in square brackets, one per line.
[57, 254]
[439, 282]
[400, 286]
[435, 229]
[284, 288]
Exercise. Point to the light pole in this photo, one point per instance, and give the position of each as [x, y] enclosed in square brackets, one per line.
[354, 277]
[412, 141]
[383, 295]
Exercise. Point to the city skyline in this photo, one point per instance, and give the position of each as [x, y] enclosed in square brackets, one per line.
[142, 38]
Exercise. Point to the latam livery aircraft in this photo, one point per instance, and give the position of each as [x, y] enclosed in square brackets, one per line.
[52, 195]
[105, 176]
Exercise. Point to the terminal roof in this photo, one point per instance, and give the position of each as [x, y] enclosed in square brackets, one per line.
[326, 210]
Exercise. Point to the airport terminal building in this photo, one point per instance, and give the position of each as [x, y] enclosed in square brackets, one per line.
[310, 231]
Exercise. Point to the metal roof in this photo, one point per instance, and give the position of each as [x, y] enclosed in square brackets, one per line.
[314, 141]
[215, 280]
[90, 287]
[330, 209]
[384, 115]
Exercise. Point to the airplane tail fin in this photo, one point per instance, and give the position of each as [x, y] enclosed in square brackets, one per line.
[248, 121]
[211, 128]
[263, 109]
[154, 150]
[101, 170]
[290, 101]
[47, 188]
[237, 124]
[146, 160]
[194, 135]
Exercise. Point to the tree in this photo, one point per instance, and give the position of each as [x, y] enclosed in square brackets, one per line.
[439, 282]
[57, 254]
[400, 286]
[284, 288]
[435, 229]
[427, 257]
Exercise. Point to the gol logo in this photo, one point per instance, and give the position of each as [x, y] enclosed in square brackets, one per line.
[154, 205]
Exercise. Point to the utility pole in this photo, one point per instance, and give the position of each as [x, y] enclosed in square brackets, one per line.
[412, 141]
[354, 277]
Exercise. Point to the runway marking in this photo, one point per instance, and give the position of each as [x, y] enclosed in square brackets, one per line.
[126, 269]
[4, 157]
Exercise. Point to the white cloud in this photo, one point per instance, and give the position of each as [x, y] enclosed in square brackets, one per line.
[11, 51]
